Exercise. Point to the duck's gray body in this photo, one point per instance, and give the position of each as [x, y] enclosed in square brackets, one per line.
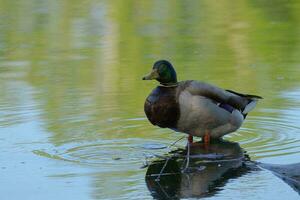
[197, 108]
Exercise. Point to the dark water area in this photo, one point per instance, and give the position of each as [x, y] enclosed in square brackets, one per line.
[72, 124]
[199, 171]
[204, 172]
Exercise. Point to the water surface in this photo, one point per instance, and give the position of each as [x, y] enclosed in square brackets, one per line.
[71, 97]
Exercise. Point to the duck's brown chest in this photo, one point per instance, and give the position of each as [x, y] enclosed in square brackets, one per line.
[162, 108]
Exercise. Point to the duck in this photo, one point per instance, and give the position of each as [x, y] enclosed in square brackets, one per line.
[194, 107]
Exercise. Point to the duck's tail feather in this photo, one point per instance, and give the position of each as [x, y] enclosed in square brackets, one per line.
[250, 106]
[252, 101]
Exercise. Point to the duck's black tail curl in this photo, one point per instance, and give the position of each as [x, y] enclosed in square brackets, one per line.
[249, 96]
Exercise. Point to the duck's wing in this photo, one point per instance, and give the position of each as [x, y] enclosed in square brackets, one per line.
[234, 99]
[249, 96]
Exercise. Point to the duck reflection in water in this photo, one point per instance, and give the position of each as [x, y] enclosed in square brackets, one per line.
[209, 169]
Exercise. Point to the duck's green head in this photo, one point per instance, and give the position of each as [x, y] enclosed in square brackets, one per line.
[163, 72]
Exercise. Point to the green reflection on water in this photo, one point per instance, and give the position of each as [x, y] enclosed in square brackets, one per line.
[77, 65]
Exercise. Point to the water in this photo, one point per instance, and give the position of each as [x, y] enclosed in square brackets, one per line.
[71, 99]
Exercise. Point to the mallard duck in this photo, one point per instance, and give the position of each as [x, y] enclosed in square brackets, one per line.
[193, 107]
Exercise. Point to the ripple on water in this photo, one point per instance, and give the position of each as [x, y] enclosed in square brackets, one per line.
[270, 136]
[125, 153]
[273, 133]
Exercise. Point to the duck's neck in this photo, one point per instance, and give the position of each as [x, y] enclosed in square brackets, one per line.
[169, 84]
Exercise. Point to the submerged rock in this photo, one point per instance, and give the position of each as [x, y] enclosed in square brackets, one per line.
[288, 173]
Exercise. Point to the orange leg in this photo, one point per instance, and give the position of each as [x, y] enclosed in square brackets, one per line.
[190, 139]
[206, 138]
